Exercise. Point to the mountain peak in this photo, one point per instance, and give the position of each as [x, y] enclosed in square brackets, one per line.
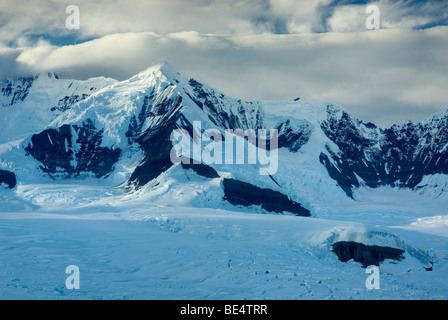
[159, 68]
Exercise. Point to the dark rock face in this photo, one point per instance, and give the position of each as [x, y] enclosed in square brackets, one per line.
[149, 110]
[17, 90]
[136, 123]
[398, 156]
[366, 255]
[293, 139]
[246, 194]
[49, 147]
[212, 104]
[9, 178]
[55, 149]
[417, 150]
[156, 144]
[68, 101]
[355, 148]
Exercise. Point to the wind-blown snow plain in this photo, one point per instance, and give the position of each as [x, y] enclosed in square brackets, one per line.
[131, 248]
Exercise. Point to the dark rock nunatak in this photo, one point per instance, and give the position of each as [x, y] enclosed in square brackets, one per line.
[8, 178]
[242, 193]
[54, 148]
[365, 254]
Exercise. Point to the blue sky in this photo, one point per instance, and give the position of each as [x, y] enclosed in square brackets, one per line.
[267, 49]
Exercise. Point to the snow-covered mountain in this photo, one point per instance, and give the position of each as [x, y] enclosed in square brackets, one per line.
[122, 179]
[120, 132]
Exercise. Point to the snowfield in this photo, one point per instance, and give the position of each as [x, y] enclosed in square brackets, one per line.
[127, 247]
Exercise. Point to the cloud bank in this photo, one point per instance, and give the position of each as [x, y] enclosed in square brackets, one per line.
[270, 50]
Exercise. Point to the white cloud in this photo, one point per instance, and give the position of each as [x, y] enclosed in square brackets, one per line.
[383, 76]
[348, 18]
[300, 16]
[32, 19]
[393, 14]
[380, 76]
[104, 17]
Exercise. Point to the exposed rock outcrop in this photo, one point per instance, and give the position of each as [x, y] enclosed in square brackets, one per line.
[243, 193]
[8, 178]
[365, 254]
